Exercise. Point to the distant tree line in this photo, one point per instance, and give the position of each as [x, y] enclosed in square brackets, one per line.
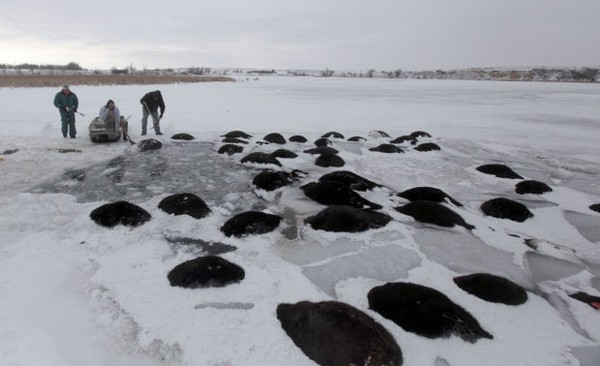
[71, 66]
[371, 73]
[585, 74]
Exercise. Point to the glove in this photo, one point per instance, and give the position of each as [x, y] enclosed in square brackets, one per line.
[160, 117]
[75, 110]
[66, 109]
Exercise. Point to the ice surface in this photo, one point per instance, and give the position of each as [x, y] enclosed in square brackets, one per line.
[465, 254]
[387, 263]
[441, 362]
[105, 293]
[224, 306]
[349, 146]
[587, 356]
[312, 250]
[587, 225]
[596, 283]
[562, 307]
[532, 203]
[545, 268]
[192, 167]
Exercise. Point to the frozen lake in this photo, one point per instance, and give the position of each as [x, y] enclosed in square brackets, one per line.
[110, 284]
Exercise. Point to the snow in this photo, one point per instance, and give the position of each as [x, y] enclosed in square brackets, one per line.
[75, 293]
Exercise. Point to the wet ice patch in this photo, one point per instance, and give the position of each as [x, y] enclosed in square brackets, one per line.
[225, 305]
[587, 356]
[587, 225]
[191, 167]
[465, 253]
[387, 263]
[311, 250]
[545, 268]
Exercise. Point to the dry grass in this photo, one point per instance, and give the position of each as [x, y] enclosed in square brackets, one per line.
[24, 81]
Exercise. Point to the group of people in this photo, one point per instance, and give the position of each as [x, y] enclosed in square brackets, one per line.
[67, 103]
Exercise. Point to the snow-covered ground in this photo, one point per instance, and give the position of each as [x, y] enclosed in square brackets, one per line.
[75, 293]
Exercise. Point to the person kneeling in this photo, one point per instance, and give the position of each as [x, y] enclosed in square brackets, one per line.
[111, 115]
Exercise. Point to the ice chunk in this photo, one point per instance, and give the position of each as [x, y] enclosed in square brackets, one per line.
[533, 203]
[465, 253]
[295, 220]
[441, 362]
[587, 356]
[596, 283]
[225, 305]
[554, 250]
[310, 250]
[387, 263]
[388, 235]
[587, 225]
[350, 146]
[545, 268]
[298, 204]
[563, 309]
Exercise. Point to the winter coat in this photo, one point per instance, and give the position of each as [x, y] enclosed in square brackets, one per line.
[105, 112]
[62, 100]
[154, 100]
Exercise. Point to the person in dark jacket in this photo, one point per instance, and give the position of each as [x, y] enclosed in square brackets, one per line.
[151, 102]
[66, 101]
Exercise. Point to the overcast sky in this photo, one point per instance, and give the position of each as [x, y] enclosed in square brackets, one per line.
[303, 34]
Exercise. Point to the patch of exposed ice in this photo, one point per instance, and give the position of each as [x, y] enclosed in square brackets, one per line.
[596, 283]
[545, 268]
[561, 305]
[587, 225]
[587, 356]
[176, 168]
[311, 250]
[225, 305]
[465, 253]
[441, 362]
[387, 263]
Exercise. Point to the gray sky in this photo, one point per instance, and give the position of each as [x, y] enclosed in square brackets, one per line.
[304, 34]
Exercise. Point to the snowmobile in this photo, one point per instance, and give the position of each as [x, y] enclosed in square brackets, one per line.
[103, 131]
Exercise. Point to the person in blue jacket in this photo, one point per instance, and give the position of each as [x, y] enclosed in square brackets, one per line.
[66, 101]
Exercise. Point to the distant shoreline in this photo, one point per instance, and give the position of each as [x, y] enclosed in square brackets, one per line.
[45, 78]
[37, 80]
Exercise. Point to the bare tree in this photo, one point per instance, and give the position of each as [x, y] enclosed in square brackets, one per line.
[327, 73]
[74, 66]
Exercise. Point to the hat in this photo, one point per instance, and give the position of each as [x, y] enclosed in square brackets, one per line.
[65, 86]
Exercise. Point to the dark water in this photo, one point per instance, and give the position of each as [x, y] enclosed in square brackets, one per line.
[178, 167]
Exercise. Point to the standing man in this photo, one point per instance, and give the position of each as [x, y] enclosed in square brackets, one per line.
[67, 103]
[151, 102]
